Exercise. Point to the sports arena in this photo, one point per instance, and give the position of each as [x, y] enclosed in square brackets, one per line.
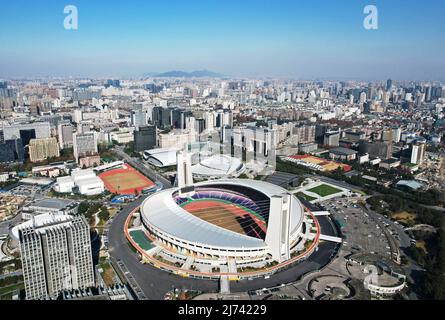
[230, 223]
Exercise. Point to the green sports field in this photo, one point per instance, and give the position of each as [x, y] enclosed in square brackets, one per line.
[325, 190]
[141, 239]
[305, 196]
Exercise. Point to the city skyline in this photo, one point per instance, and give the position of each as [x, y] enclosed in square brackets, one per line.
[285, 39]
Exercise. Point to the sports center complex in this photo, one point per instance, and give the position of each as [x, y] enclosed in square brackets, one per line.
[229, 227]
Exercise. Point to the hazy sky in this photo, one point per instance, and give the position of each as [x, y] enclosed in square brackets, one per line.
[293, 38]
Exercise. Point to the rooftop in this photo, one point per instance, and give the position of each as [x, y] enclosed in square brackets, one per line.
[53, 203]
[343, 151]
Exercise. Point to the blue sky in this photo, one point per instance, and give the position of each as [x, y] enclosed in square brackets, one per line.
[284, 38]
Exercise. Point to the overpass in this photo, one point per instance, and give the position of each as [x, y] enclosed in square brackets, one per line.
[331, 238]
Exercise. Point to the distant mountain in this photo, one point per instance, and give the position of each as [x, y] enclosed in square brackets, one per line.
[193, 74]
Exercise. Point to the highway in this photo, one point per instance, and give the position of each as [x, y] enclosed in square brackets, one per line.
[139, 165]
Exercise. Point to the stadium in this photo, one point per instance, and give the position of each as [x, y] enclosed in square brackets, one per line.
[230, 224]
[218, 166]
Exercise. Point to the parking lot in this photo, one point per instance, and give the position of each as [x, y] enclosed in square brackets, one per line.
[361, 232]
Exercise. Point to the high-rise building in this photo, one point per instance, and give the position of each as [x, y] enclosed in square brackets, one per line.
[396, 135]
[138, 116]
[371, 92]
[12, 151]
[84, 144]
[305, 133]
[56, 255]
[44, 148]
[418, 149]
[428, 93]
[332, 139]
[65, 132]
[387, 135]
[362, 97]
[388, 85]
[145, 138]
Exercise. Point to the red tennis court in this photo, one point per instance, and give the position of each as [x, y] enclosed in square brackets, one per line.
[125, 181]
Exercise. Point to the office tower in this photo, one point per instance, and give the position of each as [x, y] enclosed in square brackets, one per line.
[157, 116]
[209, 121]
[28, 131]
[138, 116]
[12, 151]
[44, 148]
[166, 119]
[418, 149]
[428, 91]
[320, 130]
[56, 255]
[84, 144]
[371, 92]
[145, 138]
[367, 107]
[389, 85]
[65, 132]
[177, 119]
[223, 118]
[199, 125]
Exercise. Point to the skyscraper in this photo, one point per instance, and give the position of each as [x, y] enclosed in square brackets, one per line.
[138, 116]
[388, 85]
[56, 255]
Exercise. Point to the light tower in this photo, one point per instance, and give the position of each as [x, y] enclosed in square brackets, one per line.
[184, 176]
[278, 230]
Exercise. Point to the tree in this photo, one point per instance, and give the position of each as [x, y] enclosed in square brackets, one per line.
[83, 207]
[104, 214]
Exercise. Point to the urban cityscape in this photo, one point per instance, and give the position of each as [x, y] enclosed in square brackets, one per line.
[197, 183]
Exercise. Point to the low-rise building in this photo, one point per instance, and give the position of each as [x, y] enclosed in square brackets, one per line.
[82, 181]
[49, 205]
[390, 163]
[343, 154]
